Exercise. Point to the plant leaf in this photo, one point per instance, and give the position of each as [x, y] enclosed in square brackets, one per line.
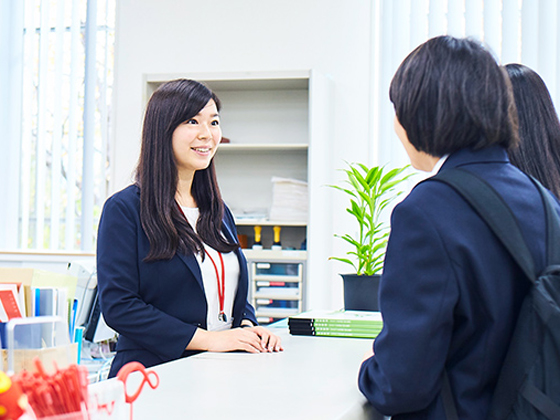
[347, 191]
[371, 190]
[359, 177]
[344, 260]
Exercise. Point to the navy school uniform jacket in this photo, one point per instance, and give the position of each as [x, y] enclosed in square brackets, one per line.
[450, 294]
[156, 306]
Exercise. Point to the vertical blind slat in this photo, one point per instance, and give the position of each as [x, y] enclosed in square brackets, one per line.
[375, 77]
[57, 130]
[401, 35]
[437, 19]
[529, 33]
[388, 56]
[41, 142]
[26, 143]
[474, 18]
[73, 116]
[456, 18]
[418, 22]
[401, 31]
[493, 25]
[104, 111]
[12, 23]
[89, 125]
[510, 31]
[547, 42]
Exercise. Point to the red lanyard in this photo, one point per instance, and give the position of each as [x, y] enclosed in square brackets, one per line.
[220, 280]
[221, 285]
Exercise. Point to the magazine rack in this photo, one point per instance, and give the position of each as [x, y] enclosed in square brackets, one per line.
[45, 337]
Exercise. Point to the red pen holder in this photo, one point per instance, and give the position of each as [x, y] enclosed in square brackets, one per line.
[78, 415]
[67, 392]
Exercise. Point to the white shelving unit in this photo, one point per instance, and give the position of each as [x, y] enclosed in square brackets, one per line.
[278, 125]
[277, 283]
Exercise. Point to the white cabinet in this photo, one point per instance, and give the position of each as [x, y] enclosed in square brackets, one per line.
[277, 280]
[278, 124]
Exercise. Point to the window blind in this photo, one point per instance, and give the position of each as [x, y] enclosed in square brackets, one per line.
[60, 71]
[523, 31]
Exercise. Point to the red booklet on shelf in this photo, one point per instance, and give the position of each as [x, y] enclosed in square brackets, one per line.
[11, 301]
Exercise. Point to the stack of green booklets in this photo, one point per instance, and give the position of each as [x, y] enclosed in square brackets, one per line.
[357, 324]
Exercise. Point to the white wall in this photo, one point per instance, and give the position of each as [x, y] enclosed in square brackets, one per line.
[332, 37]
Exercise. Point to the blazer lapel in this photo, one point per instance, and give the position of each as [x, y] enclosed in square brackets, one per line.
[228, 233]
[240, 299]
[191, 262]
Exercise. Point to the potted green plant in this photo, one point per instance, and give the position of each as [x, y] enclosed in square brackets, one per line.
[370, 191]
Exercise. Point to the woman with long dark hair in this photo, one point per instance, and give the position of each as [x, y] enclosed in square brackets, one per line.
[172, 278]
[539, 128]
[450, 292]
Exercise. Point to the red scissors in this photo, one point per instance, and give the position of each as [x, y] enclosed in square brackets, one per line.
[131, 367]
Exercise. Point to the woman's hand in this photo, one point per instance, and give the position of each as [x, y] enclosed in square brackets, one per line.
[269, 341]
[228, 340]
[249, 339]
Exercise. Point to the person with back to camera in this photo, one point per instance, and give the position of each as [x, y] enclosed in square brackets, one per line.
[450, 291]
[172, 278]
[539, 129]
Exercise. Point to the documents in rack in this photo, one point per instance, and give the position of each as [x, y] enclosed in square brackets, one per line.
[27, 292]
[357, 324]
[289, 200]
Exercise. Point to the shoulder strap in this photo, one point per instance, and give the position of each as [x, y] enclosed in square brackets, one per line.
[492, 208]
[449, 406]
[552, 225]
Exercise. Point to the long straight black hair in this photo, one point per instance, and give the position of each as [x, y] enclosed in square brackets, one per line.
[538, 153]
[167, 229]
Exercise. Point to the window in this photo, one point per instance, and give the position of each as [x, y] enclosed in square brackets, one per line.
[522, 31]
[56, 75]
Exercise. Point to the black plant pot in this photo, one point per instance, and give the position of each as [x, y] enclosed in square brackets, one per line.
[360, 292]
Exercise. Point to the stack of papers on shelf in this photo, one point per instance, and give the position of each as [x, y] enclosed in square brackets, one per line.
[50, 301]
[289, 200]
[249, 214]
[32, 292]
[357, 324]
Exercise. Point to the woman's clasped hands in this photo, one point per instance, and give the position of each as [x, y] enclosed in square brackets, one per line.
[250, 339]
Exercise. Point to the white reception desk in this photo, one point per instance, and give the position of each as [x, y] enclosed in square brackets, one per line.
[314, 378]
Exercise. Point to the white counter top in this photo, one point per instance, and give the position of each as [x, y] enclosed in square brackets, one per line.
[314, 378]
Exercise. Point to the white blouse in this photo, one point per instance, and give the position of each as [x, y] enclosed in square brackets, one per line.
[231, 265]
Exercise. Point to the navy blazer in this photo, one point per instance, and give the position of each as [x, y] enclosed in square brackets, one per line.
[450, 294]
[155, 306]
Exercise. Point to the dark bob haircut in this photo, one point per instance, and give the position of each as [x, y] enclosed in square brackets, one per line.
[451, 94]
[538, 153]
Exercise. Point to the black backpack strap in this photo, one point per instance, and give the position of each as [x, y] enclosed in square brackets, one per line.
[492, 208]
[552, 224]
[449, 406]
[541, 401]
